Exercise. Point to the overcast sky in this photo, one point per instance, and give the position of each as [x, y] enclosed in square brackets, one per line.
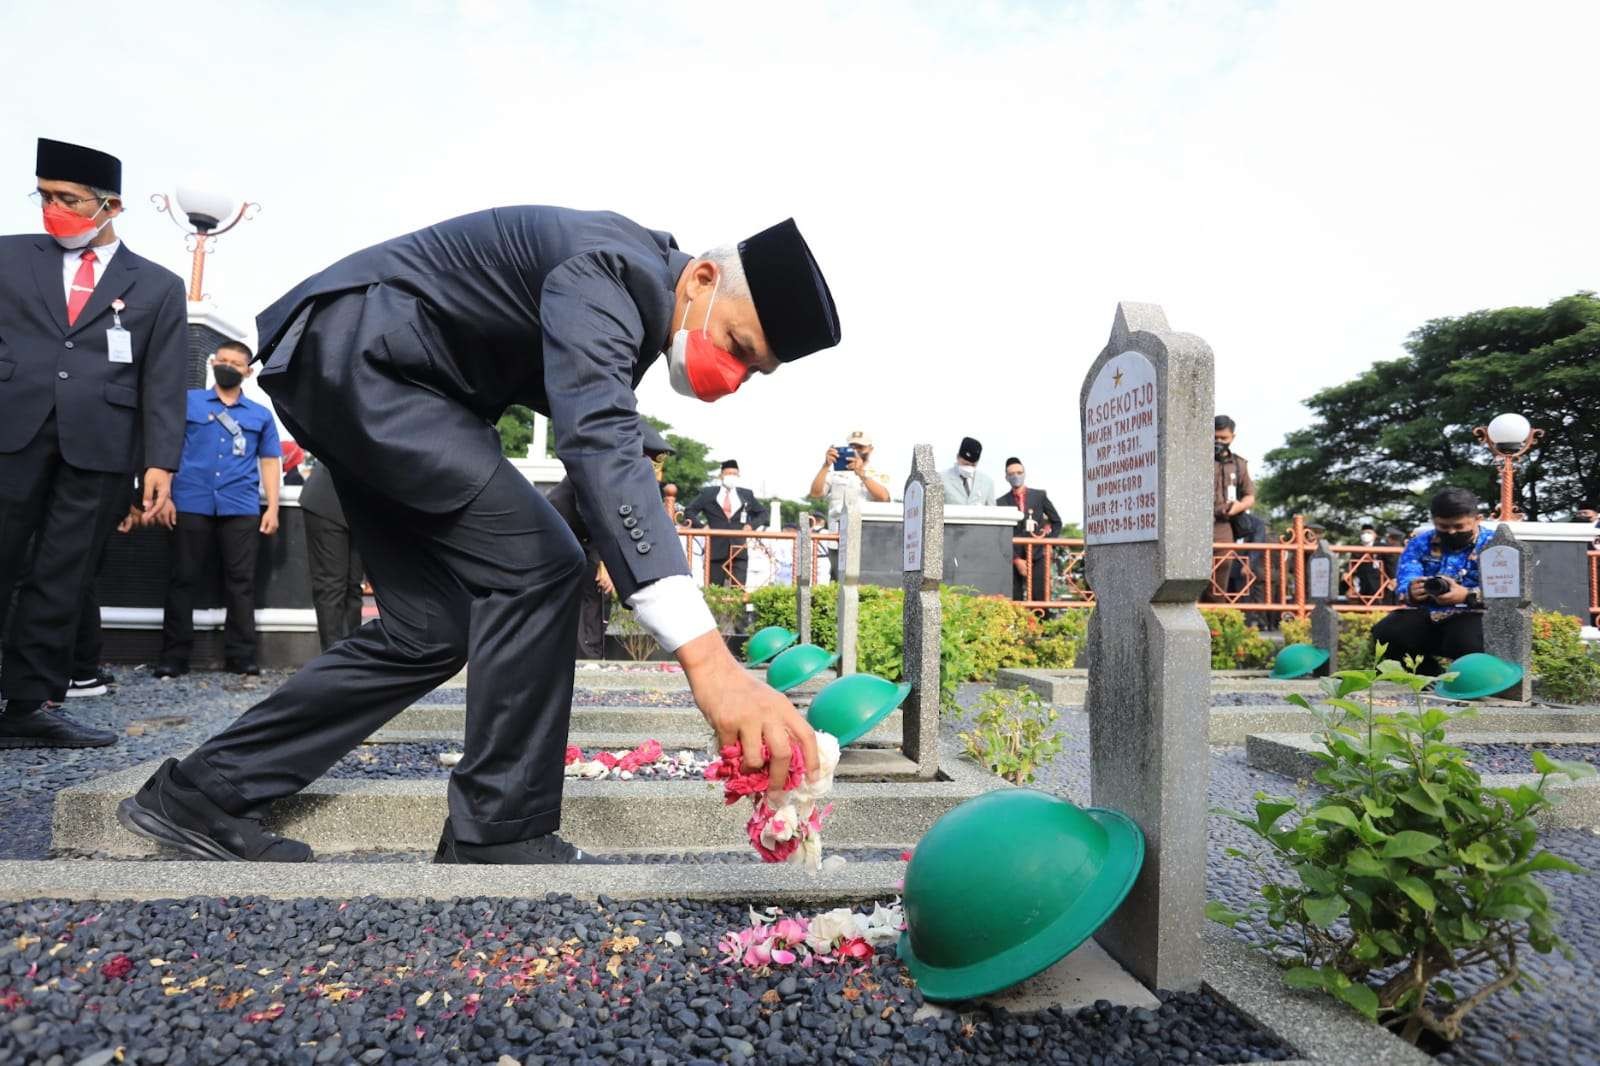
[1301, 184]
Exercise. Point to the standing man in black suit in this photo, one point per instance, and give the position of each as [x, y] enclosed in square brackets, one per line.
[726, 505]
[93, 343]
[1039, 519]
[334, 563]
[392, 366]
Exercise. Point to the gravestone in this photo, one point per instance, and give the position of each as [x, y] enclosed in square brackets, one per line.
[923, 563]
[1147, 411]
[1505, 567]
[849, 580]
[1322, 587]
[802, 581]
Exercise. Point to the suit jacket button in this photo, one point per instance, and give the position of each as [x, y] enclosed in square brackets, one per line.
[62, 374]
[636, 534]
[69, 344]
[625, 510]
[629, 522]
[643, 547]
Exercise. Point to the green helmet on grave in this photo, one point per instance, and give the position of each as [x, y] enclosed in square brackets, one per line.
[1008, 884]
[765, 643]
[1478, 675]
[848, 707]
[1298, 660]
[799, 664]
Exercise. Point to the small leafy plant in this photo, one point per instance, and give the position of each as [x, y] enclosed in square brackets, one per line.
[1014, 734]
[636, 640]
[1408, 869]
[1234, 645]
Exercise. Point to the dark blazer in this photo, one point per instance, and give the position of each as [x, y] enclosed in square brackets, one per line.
[562, 311]
[319, 496]
[1040, 509]
[706, 510]
[112, 417]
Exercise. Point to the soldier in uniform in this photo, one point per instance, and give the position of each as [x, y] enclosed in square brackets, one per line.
[392, 366]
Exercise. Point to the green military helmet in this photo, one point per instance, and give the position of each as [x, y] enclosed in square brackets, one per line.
[1478, 675]
[1298, 660]
[799, 664]
[848, 707]
[765, 643]
[1008, 884]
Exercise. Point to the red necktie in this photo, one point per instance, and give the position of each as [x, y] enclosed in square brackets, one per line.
[727, 503]
[82, 286]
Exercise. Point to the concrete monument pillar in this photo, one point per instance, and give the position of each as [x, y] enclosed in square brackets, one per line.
[1322, 588]
[1147, 413]
[1506, 569]
[924, 572]
[802, 581]
[849, 580]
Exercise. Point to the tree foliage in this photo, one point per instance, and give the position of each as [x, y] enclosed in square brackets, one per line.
[1384, 442]
[689, 466]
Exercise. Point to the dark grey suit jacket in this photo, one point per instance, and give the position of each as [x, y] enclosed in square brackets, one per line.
[560, 310]
[706, 510]
[111, 417]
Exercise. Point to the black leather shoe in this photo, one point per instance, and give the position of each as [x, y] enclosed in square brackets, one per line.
[78, 688]
[184, 818]
[170, 669]
[40, 724]
[547, 850]
[246, 667]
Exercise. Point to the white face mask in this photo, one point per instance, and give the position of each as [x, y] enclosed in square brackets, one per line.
[730, 481]
[678, 354]
[1369, 538]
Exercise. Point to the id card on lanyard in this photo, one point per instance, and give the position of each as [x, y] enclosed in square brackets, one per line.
[119, 342]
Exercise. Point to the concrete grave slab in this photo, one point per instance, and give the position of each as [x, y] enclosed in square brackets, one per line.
[643, 722]
[1232, 725]
[1077, 981]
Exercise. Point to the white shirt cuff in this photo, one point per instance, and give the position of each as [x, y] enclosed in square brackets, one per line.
[673, 610]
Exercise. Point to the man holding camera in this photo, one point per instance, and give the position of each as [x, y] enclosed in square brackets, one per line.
[1438, 586]
[847, 470]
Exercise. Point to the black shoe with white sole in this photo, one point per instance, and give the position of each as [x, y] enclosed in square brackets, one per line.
[182, 817]
[91, 686]
[546, 850]
[40, 724]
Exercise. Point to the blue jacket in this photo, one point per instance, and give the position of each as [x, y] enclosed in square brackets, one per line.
[214, 477]
[1423, 558]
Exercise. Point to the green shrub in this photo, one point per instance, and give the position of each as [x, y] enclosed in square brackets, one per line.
[1407, 868]
[1565, 668]
[1234, 645]
[727, 607]
[1355, 637]
[1014, 734]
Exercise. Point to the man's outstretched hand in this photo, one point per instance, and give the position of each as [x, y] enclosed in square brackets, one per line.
[744, 711]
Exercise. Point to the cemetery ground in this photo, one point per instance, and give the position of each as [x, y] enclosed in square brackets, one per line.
[504, 972]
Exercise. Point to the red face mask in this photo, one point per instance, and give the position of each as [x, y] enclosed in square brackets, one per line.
[699, 368]
[59, 222]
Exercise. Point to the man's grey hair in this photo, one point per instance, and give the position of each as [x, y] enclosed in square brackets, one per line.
[731, 269]
[103, 194]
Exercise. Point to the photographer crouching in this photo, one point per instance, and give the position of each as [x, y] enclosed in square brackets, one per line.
[1438, 586]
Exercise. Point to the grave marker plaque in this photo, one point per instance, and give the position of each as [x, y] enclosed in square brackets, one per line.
[1508, 606]
[1147, 505]
[924, 523]
[1322, 589]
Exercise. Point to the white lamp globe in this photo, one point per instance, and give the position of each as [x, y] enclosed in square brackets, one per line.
[1509, 430]
[205, 210]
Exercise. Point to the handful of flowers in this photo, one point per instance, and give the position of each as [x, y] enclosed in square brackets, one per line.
[792, 831]
[837, 936]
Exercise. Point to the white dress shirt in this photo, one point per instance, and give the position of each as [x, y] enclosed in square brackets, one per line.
[673, 610]
[69, 264]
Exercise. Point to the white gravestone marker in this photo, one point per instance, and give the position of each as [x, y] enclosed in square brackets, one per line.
[1121, 473]
[1322, 577]
[1501, 570]
[913, 526]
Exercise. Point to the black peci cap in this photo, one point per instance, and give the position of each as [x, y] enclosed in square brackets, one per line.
[970, 450]
[791, 296]
[729, 464]
[60, 161]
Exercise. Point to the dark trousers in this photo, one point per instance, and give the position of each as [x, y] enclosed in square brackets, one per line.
[1412, 632]
[335, 578]
[495, 580]
[740, 567]
[1019, 584]
[237, 537]
[71, 512]
[591, 612]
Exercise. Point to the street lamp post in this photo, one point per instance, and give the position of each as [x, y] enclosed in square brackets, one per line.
[205, 212]
[1508, 438]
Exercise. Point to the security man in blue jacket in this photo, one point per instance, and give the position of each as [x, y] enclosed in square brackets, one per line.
[392, 366]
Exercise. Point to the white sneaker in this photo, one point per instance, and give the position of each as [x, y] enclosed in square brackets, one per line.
[92, 687]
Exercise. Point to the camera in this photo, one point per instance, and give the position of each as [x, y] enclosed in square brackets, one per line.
[846, 453]
[1435, 586]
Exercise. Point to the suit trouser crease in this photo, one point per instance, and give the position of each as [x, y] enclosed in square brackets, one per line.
[496, 581]
[69, 512]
